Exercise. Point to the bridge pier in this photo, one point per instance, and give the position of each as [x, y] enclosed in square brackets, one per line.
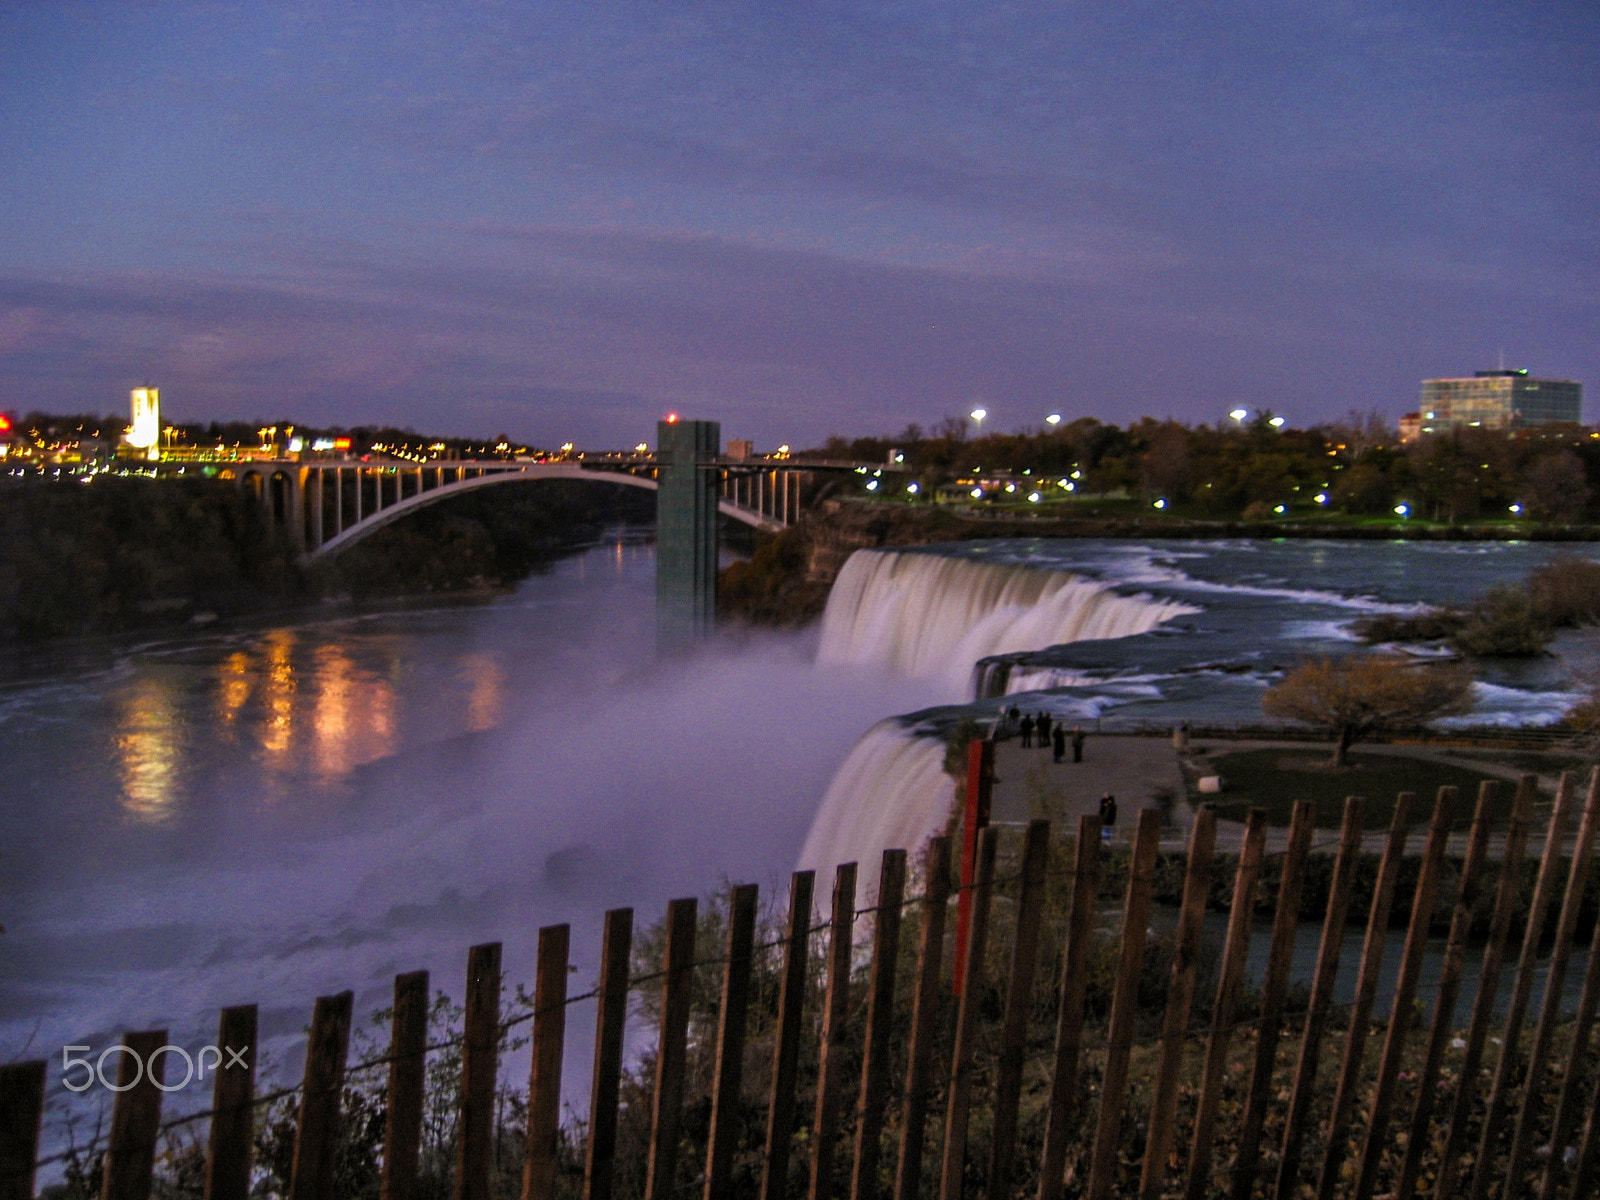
[686, 531]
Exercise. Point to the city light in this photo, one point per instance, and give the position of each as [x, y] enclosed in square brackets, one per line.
[913, 488]
[1321, 497]
[1159, 504]
[672, 418]
[977, 493]
[1034, 497]
[642, 448]
[1279, 509]
[1517, 509]
[1276, 422]
[978, 414]
[1402, 510]
[872, 485]
[1239, 414]
[1053, 419]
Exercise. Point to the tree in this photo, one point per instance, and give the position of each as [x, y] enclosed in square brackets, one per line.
[1557, 488]
[1358, 695]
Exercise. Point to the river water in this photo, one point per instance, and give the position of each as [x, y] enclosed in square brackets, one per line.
[270, 813]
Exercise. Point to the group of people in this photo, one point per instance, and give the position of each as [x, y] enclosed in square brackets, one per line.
[1052, 734]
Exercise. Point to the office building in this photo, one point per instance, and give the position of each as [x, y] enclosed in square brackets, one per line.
[1500, 399]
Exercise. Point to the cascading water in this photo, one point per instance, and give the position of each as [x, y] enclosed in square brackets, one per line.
[933, 615]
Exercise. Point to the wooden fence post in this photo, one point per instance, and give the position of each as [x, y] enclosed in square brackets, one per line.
[1483, 1005]
[864, 1184]
[1180, 996]
[1241, 914]
[835, 1030]
[786, 1053]
[1124, 1005]
[1270, 1023]
[611, 1021]
[671, 1051]
[1405, 991]
[233, 1092]
[1554, 985]
[135, 1117]
[1062, 1107]
[1577, 1069]
[1455, 953]
[1527, 967]
[1355, 1038]
[1328, 954]
[924, 1019]
[408, 1064]
[21, 1111]
[317, 1134]
[541, 1159]
[959, 1106]
[1019, 1008]
[480, 1069]
[728, 1072]
[975, 818]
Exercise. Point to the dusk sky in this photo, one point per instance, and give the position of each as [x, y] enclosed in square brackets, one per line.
[561, 220]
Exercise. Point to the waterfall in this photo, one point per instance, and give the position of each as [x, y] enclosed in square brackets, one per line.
[891, 792]
[935, 615]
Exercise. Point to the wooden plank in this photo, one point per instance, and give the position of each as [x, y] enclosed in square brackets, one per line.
[835, 1030]
[1180, 996]
[666, 1118]
[1269, 1024]
[958, 1108]
[231, 1142]
[1355, 1038]
[408, 1064]
[1419, 1138]
[1327, 972]
[1527, 966]
[1062, 1108]
[1587, 1167]
[1494, 953]
[317, 1135]
[975, 817]
[1405, 992]
[480, 1069]
[1555, 981]
[135, 1117]
[926, 1007]
[728, 1072]
[541, 1159]
[1578, 1065]
[1241, 914]
[786, 1053]
[1019, 1007]
[611, 1024]
[1124, 1005]
[864, 1183]
[21, 1111]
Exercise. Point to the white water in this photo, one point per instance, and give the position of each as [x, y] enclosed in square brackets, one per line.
[890, 793]
[933, 616]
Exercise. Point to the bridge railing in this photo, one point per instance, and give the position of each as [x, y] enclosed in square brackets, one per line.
[1013, 1029]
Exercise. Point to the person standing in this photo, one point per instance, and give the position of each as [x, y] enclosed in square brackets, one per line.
[1027, 731]
[1059, 743]
[1108, 815]
[1044, 730]
[1077, 743]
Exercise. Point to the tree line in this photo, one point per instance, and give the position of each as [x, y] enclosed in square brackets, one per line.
[1551, 473]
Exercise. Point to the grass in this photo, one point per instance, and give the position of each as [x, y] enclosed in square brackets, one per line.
[1275, 779]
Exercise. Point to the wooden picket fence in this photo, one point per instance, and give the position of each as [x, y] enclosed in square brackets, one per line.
[1493, 1135]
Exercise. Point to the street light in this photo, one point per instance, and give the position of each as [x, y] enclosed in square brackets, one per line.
[978, 414]
[1053, 419]
[1239, 414]
[1276, 422]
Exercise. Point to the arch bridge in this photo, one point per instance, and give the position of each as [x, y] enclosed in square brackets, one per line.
[328, 506]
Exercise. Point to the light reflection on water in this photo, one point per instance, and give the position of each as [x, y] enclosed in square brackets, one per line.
[149, 745]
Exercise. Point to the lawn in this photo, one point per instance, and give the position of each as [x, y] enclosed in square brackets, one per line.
[1275, 779]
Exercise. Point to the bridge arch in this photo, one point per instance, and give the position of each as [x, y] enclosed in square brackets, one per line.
[370, 524]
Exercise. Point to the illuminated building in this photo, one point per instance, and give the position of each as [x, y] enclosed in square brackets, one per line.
[740, 450]
[1500, 399]
[145, 431]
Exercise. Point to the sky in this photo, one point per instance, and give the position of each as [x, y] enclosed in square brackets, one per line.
[561, 220]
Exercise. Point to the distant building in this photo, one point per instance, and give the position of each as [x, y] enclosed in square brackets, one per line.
[1500, 399]
[740, 450]
[1410, 428]
[144, 432]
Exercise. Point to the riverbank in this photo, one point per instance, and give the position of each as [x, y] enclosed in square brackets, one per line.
[786, 580]
[137, 554]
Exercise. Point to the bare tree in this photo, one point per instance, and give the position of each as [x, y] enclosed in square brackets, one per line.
[1557, 488]
[1358, 695]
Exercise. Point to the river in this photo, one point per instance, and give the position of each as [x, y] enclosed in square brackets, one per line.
[264, 814]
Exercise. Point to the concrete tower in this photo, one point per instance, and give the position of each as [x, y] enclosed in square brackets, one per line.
[686, 531]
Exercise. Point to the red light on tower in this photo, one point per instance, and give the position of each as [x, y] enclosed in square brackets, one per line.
[5, 424]
[672, 418]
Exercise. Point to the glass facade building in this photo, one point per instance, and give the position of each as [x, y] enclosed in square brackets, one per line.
[1501, 399]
